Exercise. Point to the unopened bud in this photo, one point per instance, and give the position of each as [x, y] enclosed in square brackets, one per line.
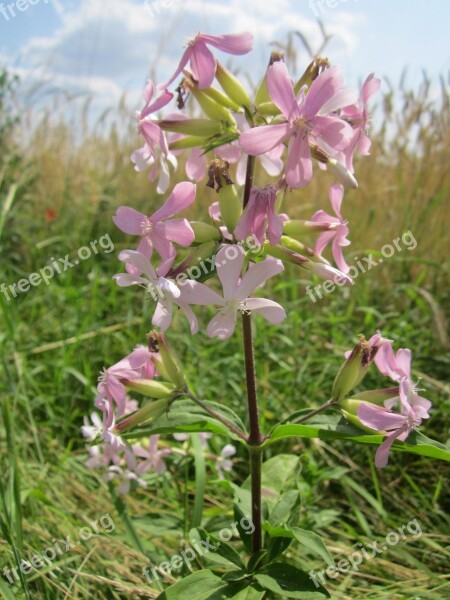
[211, 108]
[355, 366]
[195, 127]
[152, 388]
[313, 70]
[285, 254]
[336, 168]
[204, 232]
[298, 228]
[169, 359]
[151, 411]
[232, 87]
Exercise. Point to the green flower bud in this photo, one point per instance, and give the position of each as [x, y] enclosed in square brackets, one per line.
[221, 99]
[151, 411]
[299, 228]
[355, 367]
[152, 388]
[204, 232]
[285, 254]
[195, 127]
[169, 359]
[313, 70]
[212, 109]
[232, 87]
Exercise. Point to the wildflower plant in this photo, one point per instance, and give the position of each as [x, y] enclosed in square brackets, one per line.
[296, 128]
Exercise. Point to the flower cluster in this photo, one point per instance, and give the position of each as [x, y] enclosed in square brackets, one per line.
[395, 411]
[276, 138]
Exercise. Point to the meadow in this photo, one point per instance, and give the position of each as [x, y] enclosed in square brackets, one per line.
[60, 183]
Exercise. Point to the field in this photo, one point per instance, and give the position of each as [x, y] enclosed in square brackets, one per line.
[60, 184]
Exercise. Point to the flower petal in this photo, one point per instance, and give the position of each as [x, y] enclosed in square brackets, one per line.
[270, 310]
[377, 417]
[262, 139]
[279, 86]
[223, 324]
[129, 220]
[258, 274]
[182, 196]
[232, 43]
[299, 164]
[229, 268]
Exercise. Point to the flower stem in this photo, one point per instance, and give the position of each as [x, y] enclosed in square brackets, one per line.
[315, 412]
[218, 416]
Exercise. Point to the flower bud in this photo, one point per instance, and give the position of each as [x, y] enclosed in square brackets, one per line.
[195, 127]
[349, 409]
[285, 254]
[151, 411]
[168, 358]
[151, 388]
[211, 108]
[355, 366]
[268, 109]
[329, 273]
[232, 87]
[204, 232]
[229, 202]
[221, 99]
[336, 168]
[313, 70]
[298, 228]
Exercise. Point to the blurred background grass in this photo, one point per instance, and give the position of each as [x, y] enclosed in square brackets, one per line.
[60, 183]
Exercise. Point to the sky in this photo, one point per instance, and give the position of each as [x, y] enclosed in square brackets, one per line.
[105, 48]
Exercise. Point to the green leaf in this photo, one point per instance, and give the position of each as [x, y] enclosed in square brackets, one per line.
[286, 509]
[251, 592]
[314, 543]
[186, 417]
[198, 586]
[221, 549]
[335, 427]
[290, 582]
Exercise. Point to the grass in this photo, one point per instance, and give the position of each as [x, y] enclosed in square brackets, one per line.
[56, 338]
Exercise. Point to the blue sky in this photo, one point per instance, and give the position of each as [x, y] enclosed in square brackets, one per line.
[107, 47]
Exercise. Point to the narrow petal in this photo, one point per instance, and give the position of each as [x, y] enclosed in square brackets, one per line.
[377, 417]
[182, 196]
[382, 454]
[262, 139]
[129, 220]
[229, 261]
[323, 239]
[222, 325]
[370, 87]
[257, 275]
[323, 88]
[183, 62]
[270, 310]
[162, 316]
[178, 231]
[299, 164]
[196, 165]
[281, 91]
[193, 292]
[232, 43]
[189, 314]
[336, 192]
[139, 261]
[203, 65]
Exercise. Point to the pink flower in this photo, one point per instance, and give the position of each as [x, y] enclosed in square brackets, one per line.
[337, 235]
[271, 162]
[398, 425]
[155, 149]
[308, 118]
[223, 462]
[163, 290]
[229, 262]
[395, 366]
[153, 457]
[110, 387]
[259, 217]
[358, 116]
[202, 61]
[125, 477]
[159, 231]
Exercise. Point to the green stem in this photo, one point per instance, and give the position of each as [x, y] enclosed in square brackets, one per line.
[218, 416]
[315, 412]
[200, 480]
